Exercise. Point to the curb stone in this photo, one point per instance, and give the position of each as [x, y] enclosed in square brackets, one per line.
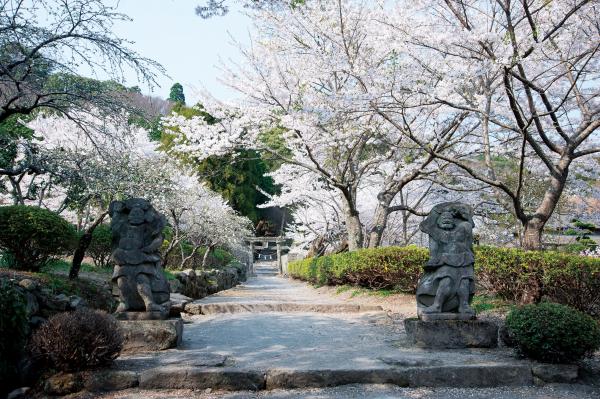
[230, 379]
[220, 308]
[173, 377]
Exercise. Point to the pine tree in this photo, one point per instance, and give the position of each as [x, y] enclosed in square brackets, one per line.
[176, 95]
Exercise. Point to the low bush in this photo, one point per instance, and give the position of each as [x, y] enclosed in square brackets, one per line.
[13, 330]
[553, 333]
[508, 273]
[531, 276]
[100, 248]
[580, 245]
[79, 340]
[389, 267]
[33, 236]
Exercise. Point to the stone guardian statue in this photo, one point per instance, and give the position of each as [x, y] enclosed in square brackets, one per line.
[137, 238]
[447, 286]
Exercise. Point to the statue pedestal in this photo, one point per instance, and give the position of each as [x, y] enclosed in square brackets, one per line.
[151, 335]
[451, 334]
[446, 316]
[157, 315]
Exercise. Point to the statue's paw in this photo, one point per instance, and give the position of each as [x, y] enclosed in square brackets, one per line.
[154, 308]
[466, 310]
[431, 309]
[122, 308]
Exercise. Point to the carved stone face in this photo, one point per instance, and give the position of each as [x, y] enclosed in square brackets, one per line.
[446, 221]
[136, 216]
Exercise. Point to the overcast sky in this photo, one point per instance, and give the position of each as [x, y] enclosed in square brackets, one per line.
[188, 46]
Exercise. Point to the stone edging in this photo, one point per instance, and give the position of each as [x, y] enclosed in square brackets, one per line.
[232, 379]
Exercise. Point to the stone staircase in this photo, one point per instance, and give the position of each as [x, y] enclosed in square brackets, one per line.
[266, 268]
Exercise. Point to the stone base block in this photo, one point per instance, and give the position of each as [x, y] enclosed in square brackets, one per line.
[452, 333]
[109, 380]
[554, 373]
[158, 315]
[151, 335]
[446, 316]
[178, 377]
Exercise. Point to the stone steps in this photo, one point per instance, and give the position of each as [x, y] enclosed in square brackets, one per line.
[285, 307]
[482, 375]
[266, 273]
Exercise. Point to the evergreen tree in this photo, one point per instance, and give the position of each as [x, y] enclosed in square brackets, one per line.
[176, 94]
[240, 178]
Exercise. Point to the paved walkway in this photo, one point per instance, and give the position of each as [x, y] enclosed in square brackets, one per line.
[270, 293]
[332, 335]
[272, 332]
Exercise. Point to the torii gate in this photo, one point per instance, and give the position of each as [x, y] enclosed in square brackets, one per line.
[279, 241]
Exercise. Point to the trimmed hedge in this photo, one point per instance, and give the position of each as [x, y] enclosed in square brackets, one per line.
[100, 248]
[553, 333]
[31, 236]
[387, 267]
[509, 273]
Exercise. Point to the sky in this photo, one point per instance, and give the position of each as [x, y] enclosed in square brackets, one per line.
[189, 47]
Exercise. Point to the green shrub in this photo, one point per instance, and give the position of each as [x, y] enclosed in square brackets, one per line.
[222, 257]
[13, 330]
[580, 245]
[553, 333]
[507, 273]
[389, 267]
[79, 340]
[100, 248]
[32, 236]
[530, 276]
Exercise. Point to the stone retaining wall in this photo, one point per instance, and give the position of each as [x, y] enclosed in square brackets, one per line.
[197, 284]
[43, 303]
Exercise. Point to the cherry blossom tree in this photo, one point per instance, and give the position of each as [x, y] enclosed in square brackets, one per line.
[527, 72]
[308, 80]
[84, 172]
[377, 100]
[200, 217]
[317, 208]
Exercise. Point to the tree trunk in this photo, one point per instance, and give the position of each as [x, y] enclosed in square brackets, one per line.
[532, 235]
[205, 257]
[379, 224]
[82, 246]
[405, 237]
[186, 259]
[166, 255]
[354, 228]
[175, 239]
[534, 226]
[352, 219]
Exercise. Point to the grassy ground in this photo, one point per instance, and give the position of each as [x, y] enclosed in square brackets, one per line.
[357, 291]
[63, 266]
[485, 303]
[481, 303]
